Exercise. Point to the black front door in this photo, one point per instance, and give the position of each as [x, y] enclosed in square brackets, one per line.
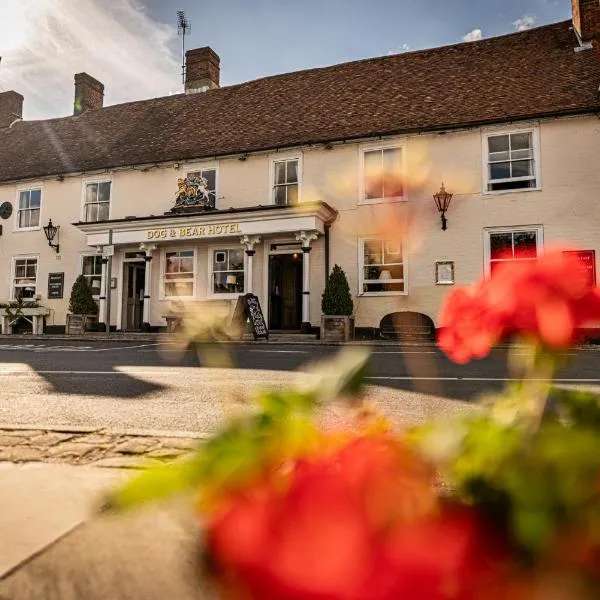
[285, 291]
[134, 304]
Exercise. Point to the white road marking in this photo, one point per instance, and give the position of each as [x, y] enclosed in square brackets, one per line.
[479, 379]
[34, 372]
[281, 351]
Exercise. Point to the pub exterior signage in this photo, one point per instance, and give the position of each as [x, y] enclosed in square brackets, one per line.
[194, 231]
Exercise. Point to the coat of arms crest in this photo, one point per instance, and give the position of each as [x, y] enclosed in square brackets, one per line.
[193, 192]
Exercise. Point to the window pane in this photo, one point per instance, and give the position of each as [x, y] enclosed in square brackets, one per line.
[512, 185]
[522, 168]
[498, 143]
[91, 193]
[520, 141]
[292, 194]
[383, 287]
[520, 154]
[373, 252]
[23, 219]
[172, 262]
[392, 159]
[179, 288]
[186, 265]
[87, 267]
[393, 252]
[501, 245]
[500, 170]
[35, 198]
[104, 192]
[280, 195]
[30, 270]
[236, 260]
[373, 179]
[292, 171]
[279, 173]
[525, 244]
[34, 218]
[211, 178]
[24, 200]
[102, 212]
[20, 269]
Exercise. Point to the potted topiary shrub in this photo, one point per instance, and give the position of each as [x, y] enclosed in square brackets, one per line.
[337, 322]
[83, 308]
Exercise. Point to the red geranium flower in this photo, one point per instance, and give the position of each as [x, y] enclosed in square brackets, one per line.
[547, 299]
[360, 524]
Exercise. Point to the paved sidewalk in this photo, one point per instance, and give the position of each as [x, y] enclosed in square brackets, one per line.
[92, 447]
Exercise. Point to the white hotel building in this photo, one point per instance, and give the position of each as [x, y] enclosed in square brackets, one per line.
[509, 124]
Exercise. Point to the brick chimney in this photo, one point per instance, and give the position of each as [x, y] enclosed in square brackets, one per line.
[11, 108]
[202, 71]
[89, 93]
[586, 19]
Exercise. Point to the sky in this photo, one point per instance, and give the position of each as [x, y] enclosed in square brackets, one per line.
[132, 46]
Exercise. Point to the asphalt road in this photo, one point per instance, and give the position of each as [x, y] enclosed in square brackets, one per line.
[132, 386]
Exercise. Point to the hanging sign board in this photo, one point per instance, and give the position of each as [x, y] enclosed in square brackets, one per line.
[108, 250]
[587, 259]
[56, 285]
[248, 308]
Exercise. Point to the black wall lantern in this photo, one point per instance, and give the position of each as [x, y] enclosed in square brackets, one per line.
[51, 232]
[442, 201]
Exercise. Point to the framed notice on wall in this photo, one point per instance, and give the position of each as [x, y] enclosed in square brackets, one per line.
[444, 273]
[587, 259]
[56, 285]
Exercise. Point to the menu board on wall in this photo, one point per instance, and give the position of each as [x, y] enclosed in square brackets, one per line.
[56, 285]
[587, 259]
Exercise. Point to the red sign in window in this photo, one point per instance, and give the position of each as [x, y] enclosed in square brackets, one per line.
[587, 259]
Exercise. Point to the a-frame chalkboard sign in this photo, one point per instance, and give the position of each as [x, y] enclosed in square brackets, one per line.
[248, 308]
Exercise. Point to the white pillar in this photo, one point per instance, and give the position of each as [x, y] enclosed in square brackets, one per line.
[103, 294]
[306, 239]
[148, 248]
[249, 242]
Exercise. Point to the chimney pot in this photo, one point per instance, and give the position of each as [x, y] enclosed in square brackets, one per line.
[11, 108]
[586, 19]
[202, 70]
[89, 93]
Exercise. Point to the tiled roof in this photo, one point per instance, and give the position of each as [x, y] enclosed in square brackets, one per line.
[527, 74]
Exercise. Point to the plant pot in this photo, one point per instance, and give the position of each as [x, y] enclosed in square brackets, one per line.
[337, 328]
[79, 324]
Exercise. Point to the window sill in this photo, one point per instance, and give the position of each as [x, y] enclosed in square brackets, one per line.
[364, 202]
[228, 296]
[377, 294]
[517, 191]
[25, 229]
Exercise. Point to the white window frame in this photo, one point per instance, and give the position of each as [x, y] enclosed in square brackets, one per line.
[209, 289]
[189, 169]
[361, 266]
[13, 271]
[535, 138]
[87, 182]
[81, 259]
[401, 145]
[279, 159]
[163, 267]
[17, 209]
[539, 229]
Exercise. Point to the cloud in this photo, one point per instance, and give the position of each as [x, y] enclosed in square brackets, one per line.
[403, 48]
[524, 23]
[43, 43]
[473, 36]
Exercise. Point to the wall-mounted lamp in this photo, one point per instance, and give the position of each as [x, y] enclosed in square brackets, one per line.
[60, 178]
[51, 232]
[243, 157]
[176, 165]
[442, 201]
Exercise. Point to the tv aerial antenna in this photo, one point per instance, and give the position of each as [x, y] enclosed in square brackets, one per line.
[184, 27]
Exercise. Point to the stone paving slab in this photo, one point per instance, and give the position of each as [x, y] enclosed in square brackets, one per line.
[40, 503]
[86, 446]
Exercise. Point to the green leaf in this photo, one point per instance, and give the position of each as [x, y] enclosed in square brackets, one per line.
[155, 483]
